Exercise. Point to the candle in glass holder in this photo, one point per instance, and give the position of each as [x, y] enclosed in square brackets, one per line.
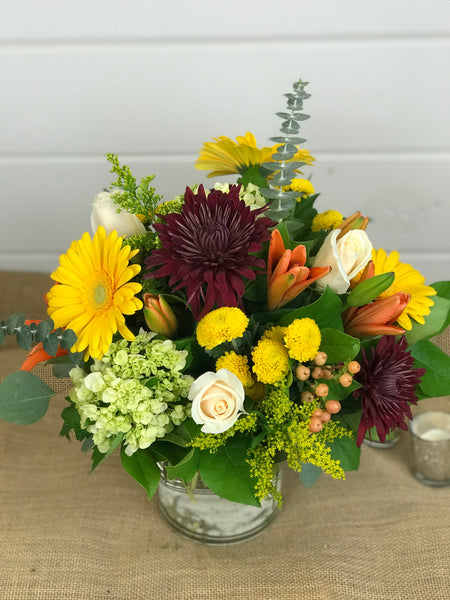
[430, 433]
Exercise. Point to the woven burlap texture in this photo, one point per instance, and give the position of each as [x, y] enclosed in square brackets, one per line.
[68, 534]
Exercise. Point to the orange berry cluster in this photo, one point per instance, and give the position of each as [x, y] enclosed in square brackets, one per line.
[320, 370]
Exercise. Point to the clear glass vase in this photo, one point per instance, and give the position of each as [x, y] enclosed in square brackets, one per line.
[205, 517]
[371, 439]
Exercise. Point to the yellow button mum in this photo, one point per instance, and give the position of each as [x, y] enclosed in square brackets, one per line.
[94, 292]
[238, 365]
[221, 325]
[330, 219]
[302, 339]
[270, 361]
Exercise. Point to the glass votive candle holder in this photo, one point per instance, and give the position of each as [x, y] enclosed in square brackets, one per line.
[430, 434]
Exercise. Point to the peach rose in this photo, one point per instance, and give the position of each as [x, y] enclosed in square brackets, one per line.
[217, 400]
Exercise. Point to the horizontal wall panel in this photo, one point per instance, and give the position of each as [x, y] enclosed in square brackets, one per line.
[47, 203]
[172, 19]
[366, 96]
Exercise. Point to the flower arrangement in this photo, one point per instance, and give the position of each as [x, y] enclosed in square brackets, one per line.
[228, 330]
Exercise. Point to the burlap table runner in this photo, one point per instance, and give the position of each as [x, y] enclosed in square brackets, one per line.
[68, 534]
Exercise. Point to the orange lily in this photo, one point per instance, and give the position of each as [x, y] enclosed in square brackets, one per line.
[287, 275]
[376, 318]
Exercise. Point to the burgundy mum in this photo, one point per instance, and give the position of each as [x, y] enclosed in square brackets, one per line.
[388, 381]
[208, 248]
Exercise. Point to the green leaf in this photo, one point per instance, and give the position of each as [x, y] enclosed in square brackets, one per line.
[256, 290]
[186, 468]
[368, 290]
[435, 322]
[436, 381]
[51, 343]
[337, 391]
[24, 338]
[309, 474]
[68, 339]
[168, 452]
[72, 422]
[338, 345]
[350, 420]
[326, 312]
[227, 473]
[24, 398]
[98, 457]
[347, 452]
[14, 322]
[42, 330]
[252, 175]
[143, 468]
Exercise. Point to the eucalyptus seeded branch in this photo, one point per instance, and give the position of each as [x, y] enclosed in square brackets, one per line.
[35, 333]
[283, 166]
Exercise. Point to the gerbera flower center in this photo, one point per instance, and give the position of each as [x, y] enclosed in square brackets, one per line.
[100, 293]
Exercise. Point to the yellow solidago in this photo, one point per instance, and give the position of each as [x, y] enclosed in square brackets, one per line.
[270, 361]
[291, 437]
[276, 406]
[406, 280]
[330, 219]
[213, 441]
[221, 325]
[302, 339]
[275, 333]
[238, 365]
[303, 186]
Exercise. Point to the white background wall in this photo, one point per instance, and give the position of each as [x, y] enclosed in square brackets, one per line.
[153, 80]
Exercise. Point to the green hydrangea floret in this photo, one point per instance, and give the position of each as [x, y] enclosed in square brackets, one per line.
[136, 389]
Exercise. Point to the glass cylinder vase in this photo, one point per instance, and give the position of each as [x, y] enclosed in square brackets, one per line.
[371, 439]
[202, 515]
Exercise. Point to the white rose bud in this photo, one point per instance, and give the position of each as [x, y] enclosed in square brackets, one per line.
[104, 212]
[346, 257]
[217, 400]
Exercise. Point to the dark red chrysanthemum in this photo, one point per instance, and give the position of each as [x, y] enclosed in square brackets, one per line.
[388, 382]
[208, 247]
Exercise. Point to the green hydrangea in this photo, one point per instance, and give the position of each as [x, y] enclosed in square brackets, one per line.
[136, 389]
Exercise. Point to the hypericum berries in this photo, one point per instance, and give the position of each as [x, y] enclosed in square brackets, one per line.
[345, 380]
[315, 425]
[320, 358]
[317, 373]
[322, 390]
[353, 367]
[307, 397]
[332, 406]
[302, 372]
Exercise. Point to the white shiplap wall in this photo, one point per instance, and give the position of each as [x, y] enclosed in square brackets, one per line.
[153, 80]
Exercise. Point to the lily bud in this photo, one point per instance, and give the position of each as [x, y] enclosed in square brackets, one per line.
[159, 316]
[355, 221]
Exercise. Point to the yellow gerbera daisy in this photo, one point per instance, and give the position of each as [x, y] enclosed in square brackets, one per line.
[94, 291]
[407, 280]
[226, 157]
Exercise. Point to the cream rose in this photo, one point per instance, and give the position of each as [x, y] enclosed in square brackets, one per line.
[104, 212]
[346, 257]
[217, 400]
